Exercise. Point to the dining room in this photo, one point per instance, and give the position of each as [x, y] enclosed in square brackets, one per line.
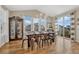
[39, 29]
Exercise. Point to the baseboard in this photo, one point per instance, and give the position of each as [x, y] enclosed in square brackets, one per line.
[76, 41]
[2, 44]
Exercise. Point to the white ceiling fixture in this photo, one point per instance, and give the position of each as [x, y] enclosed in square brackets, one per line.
[51, 10]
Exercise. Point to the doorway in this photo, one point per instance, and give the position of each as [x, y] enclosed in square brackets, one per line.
[63, 43]
[64, 26]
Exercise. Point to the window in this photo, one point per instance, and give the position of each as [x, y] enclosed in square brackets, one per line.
[67, 26]
[27, 23]
[49, 25]
[43, 24]
[64, 26]
[36, 22]
[60, 26]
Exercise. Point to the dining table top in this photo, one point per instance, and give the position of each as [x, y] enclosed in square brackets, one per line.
[38, 33]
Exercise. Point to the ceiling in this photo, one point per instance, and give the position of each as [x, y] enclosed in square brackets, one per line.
[51, 10]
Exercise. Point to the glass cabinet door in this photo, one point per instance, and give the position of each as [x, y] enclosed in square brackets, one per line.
[12, 29]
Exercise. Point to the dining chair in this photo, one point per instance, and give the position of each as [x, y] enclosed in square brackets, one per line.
[51, 37]
[42, 39]
[25, 38]
[38, 39]
[32, 41]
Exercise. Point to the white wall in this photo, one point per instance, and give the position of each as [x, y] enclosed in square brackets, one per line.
[4, 34]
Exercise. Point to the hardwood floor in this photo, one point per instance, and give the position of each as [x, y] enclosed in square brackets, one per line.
[75, 48]
[14, 47]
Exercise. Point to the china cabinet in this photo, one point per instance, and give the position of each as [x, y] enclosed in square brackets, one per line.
[15, 28]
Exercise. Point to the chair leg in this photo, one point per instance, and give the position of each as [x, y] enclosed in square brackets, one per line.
[50, 41]
[32, 47]
[47, 42]
[38, 44]
[42, 43]
[32, 44]
[22, 44]
[53, 39]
